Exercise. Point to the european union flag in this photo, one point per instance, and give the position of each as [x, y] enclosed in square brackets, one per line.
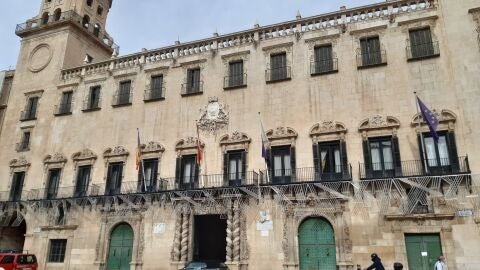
[430, 118]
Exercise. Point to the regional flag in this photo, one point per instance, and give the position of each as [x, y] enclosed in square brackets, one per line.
[139, 152]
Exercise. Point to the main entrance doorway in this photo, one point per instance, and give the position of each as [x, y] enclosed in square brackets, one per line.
[12, 233]
[210, 236]
[317, 245]
[422, 250]
[120, 248]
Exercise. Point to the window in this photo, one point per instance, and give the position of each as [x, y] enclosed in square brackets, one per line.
[187, 172]
[88, 59]
[17, 186]
[421, 44]
[330, 160]
[65, 106]
[193, 84]
[370, 51]
[24, 144]
[441, 156]
[278, 67]
[7, 260]
[114, 179]
[26, 259]
[30, 112]
[149, 183]
[124, 93]
[156, 88]
[234, 167]
[96, 29]
[57, 14]
[99, 10]
[324, 61]
[56, 253]
[86, 21]
[45, 18]
[382, 157]
[93, 99]
[89, 3]
[281, 164]
[83, 180]
[236, 76]
[53, 184]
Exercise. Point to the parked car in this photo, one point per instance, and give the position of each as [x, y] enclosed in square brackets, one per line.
[205, 265]
[16, 261]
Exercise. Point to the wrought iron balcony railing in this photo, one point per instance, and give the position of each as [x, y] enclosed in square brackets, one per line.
[28, 115]
[122, 99]
[154, 94]
[91, 104]
[278, 74]
[63, 193]
[22, 146]
[62, 18]
[192, 88]
[423, 51]
[371, 59]
[8, 196]
[63, 109]
[324, 66]
[310, 174]
[412, 168]
[235, 81]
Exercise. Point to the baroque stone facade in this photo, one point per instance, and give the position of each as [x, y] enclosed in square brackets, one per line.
[288, 153]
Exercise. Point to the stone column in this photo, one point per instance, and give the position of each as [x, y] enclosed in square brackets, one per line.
[184, 238]
[229, 236]
[176, 240]
[236, 232]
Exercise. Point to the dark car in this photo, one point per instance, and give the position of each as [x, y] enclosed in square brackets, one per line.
[205, 265]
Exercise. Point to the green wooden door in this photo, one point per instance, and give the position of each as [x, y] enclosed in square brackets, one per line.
[317, 245]
[120, 249]
[422, 250]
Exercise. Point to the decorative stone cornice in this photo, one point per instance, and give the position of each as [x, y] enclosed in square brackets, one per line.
[327, 127]
[117, 151]
[19, 162]
[85, 154]
[55, 159]
[188, 143]
[152, 147]
[281, 133]
[379, 122]
[444, 117]
[235, 138]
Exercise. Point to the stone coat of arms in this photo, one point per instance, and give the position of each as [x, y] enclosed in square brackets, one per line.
[214, 117]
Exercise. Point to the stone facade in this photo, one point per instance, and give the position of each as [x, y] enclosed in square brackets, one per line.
[350, 104]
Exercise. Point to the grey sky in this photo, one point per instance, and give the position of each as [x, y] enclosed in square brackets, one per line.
[137, 24]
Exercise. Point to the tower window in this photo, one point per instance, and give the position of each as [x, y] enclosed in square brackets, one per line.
[57, 14]
[99, 10]
[45, 18]
[86, 21]
[89, 3]
[96, 30]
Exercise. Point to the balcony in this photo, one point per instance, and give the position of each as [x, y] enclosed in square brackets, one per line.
[7, 196]
[91, 104]
[63, 193]
[28, 115]
[22, 147]
[372, 59]
[124, 99]
[190, 89]
[300, 175]
[68, 17]
[63, 109]
[324, 67]
[423, 51]
[414, 168]
[235, 81]
[154, 94]
[278, 74]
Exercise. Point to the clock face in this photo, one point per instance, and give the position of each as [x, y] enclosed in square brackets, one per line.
[213, 110]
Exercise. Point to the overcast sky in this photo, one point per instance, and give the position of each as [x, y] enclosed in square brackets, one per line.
[137, 24]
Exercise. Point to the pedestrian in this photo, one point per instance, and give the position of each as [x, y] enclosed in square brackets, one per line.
[377, 263]
[397, 266]
[440, 264]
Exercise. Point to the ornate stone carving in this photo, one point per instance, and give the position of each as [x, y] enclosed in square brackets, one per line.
[20, 162]
[379, 122]
[188, 143]
[176, 239]
[214, 117]
[152, 147]
[185, 236]
[327, 127]
[444, 117]
[281, 133]
[55, 158]
[229, 247]
[85, 154]
[236, 232]
[115, 152]
[235, 138]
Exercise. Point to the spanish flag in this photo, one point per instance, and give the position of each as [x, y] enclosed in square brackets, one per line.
[139, 152]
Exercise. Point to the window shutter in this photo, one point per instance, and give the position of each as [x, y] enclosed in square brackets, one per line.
[293, 162]
[196, 177]
[178, 169]
[396, 156]
[244, 167]
[367, 159]
[155, 174]
[452, 151]
[120, 178]
[269, 161]
[344, 157]
[316, 161]
[420, 150]
[225, 168]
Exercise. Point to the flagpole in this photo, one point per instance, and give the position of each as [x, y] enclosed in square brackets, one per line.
[141, 160]
[421, 133]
